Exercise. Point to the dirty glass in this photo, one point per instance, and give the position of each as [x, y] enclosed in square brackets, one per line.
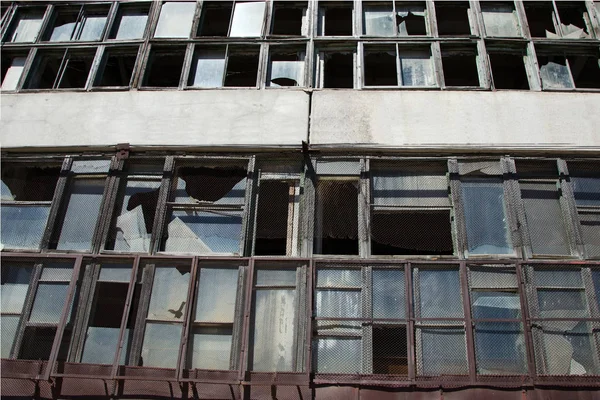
[555, 73]
[409, 189]
[210, 348]
[169, 293]
[130, 23]
[441, 351]
[389, 296]
[493, 278]
[8, 331]
[15, 283]
[339, 303]
[49, 302]
[101, 345]
[416, 68]
[499, 19]
[378, 20]
[161, 345]
[247, 19]
[27, 26]
[216, 295]
[23, 226]
[338, 355]
[495, 305]
[567, 348]
[92, 26]
[500, 348]
[276, 277]
[439, 294]
[175, 20]
[208, 68]
[339, 278]
[13, 74]
[586, 190]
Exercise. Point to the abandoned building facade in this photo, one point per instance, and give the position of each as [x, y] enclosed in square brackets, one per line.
[300, 199]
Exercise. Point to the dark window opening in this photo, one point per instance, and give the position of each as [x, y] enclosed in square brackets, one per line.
[215, 18]
[585, 71]
[29, 183]
[117, 70]
[45, 72]
[76, 71]
[539, 18]
[205, 184]
[242, 69]
[338, 19]
[460, 68]
[390, 354]
[411, 233]
[164, 67]
[85, 23]
[339, 70]
[272, 218]
[414, 24]
[287, 19]
[508, 71]
[68, 70]
[452, 18]
[380, 68]
[571, 19]
[337, 218]
[109, 304]
[37, 343]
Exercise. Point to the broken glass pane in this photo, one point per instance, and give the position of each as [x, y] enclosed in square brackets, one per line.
[208, 68]
[499, 19]
[410, 19]
[23, 226]
[27, 26]
[286, 73]
[247, 19]
[554, 73]
[216, 295]
[13, 74]
[567, 348]
[175, 20]
[378, 20]
[211, 185]
[416, 68]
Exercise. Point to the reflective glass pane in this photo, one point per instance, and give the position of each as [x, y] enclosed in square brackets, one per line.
[558, 278]
[339, 278]
[169, 293]
[339, 303]
[23, 226]
[586, 190]
[175, 20]
[247, 19]
[590, 228]
[131, 24]
[555, 74]
[49, 301]
[13, 74]
[216, 295]
[378, 20]
[276, 277]
[15, 282]
[286, 73]
[210, 348]
[333, 355]
[8, 330]
[562, 304]
[207, 69]
[500, 348]
[115, 273]
[93, 26]
[161, 345]
[416, 68]
[389, 297]
[567, 348]
[27, 27]
[443, 351]
[492, 278]
[56, 272]
[439, 294]
[494, 305]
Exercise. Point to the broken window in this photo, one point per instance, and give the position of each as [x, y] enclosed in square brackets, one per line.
[289, 18]
[568, 69]
[215, 18]
[335, 18]
[453, 19]
[211, 344]
[485, 213]
[380, 66]
[394, 19]
[499, 345]
[508, 69]
[205, 213]
[12, 69]
[554, 72]
[286, 67]
[275, 217]
[26, 25]
[81, 206]
[574, 19]
[247, 19]
[242, 66]
[15, 286]
[116, 69]
[585, 69]
[414, 63]
[336, 69]
[27, 192]
[410, 211]
[500, 19]
[209, 64]
[64, 69]
[585, 179]
[565, 346]
[460, 65]
[84, 23]
[569, 20]
[440, 344]
[135, 208]
[175, 20]
[130, 22]
[237, 19]
[164, 65]
[540, 18]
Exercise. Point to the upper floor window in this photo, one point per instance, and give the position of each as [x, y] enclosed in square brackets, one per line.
[130, 22]
[500, 19]
[395, 19]
[560, 19]
[235, 19]
[85, 23]
[26, 25]
[175, 20]
[335, 18]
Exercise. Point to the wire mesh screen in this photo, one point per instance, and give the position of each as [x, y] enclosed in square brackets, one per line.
[437, 293]
[441, 350]
[15, 285]
[272, 218]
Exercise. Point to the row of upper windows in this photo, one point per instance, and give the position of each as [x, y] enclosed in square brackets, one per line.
[425, 319]
[437, 208]
[366, 65]
[128, 21]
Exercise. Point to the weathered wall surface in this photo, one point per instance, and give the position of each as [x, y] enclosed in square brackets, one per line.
[179, 118]
[432, 118]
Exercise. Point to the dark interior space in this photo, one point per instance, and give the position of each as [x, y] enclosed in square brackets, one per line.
[287, 19]
[539, 17]
[118, 69]
[339, 68]
[571, 13]
[242, 69]
[415, 24]
[585, 71]
[338, 19]
[272, 218]
[109, 304]
[380, 68]
[452, 18]
[508, 71]
[460, 68]
[389, 350]
[30, 183]
[164, 67]
[337, 202]
[216, 16]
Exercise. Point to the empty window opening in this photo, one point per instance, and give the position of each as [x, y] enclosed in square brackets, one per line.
[585, 71]
[335, 19]
[65, 70]
[117, 68]
[130, 22]
[460, 67]
[540, 16]
[12, 69]
[164, 67]
[215, 19]
[380, 67]
[175, 20]
[554, 72]
[248, 19]
[26, 25]
[573, 25]
[204, 184]
[410, 19]
[452, 18]
[272, 220]
[25, 183]
[286, 68]
[508, 71]
[390, 354]
[339, 70]
[208, 67]
[85, 23]
[289, 18]
[242, 67]
[500, 19]
[337, 217]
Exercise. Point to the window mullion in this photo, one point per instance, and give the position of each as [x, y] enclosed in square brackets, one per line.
[238, 322]
[59, 197]
[510, 206]
[468, 323]
[245, 337]
[27, 307]
[410, 326]
[567, 200]
[247, 228]
[299, 345]
[161, 206]
[363, 211]
[458, 208]
[524, 295]
[109, 202]
[188, 316]
[367, 312]
[140, 322]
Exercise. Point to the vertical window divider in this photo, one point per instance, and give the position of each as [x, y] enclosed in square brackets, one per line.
[196, 20]
[308, 181]
[140, 322]
[436, 54]
[57, 200]
[29, 60]
[522, 19]
[110, 19]
[243, 363]
[524, 294]
[237, 334]
[187, 62]
[363, 210]
[231, 19]
[6, 20]
[464, 284]
[410, 324]
[246, 241]
[189, 310]
[367, 326]
[61, 69]
[568, 201]
[508, 177]
[398, 66]
[128, 303]
[431, 18]
[309, 313]
[483, 65]
[108, 205]
[556, 19]
[79, 22]
[161, 207]
[27, 307]
[63, 318]
[105, 207]
[46, 20]
[588, 284]
[90, 277]
[460, 231]
[298, 343]
[96, 63]
[520, 207]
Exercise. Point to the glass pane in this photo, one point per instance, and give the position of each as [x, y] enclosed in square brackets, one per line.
[596, 279]
[65, 24]
[544, 218]
[273, 332]
[82, 212]
[379, 20]
[216, 295]
[13, 74]
[101, 345]
[485, 216]
[493, 278]
[247, 19]
[389, 297]
[56, 272]
[27, 27]
[286, 73]
[590, 228]
[567, 348]
[416, 68]
[214, 185]
[443, 351]
[93, 25]
[169, 293]
[131, 23]
[586, 190]
[204, 232]
[175, 20]
[499, 20]
[161, 345]
[555, 74]
[558, 278]
[338, 356]
[396, 188]
[8, 330]
[115, 273]
[562, 304]
[496, 305]
[90, 166]
[439, 294]
[500, 348]
[49, 301]
[339, 278]
[339, 303]
[23, 226]
[210, 348]
[15, 282]
[209, 69]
